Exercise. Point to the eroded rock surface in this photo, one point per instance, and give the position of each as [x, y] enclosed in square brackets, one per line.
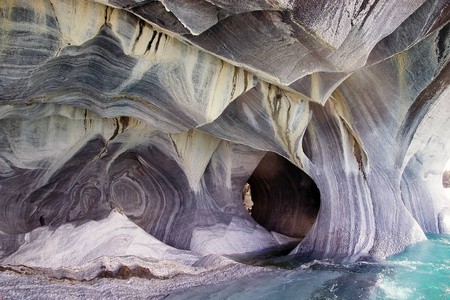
[155, 114]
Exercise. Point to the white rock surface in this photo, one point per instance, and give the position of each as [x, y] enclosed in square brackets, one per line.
[336, 112]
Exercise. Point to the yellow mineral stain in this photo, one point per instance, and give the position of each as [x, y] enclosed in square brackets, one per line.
[315, 87]
[351, 143]
[402, 62]
[194, 149]
[123, 29]
[78, 20]
[340, 106]
[290, 117]
[229, 83]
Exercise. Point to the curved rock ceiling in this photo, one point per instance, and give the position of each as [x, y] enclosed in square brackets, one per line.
[128, 126]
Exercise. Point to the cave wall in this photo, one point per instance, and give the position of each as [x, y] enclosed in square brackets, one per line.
[164, 110]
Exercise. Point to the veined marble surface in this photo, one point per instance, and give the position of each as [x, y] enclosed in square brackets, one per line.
[129, 128]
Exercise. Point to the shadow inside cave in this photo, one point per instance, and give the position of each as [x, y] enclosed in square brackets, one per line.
[284, 200]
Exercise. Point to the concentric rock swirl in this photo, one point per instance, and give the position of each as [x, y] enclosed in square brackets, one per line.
[335, 112]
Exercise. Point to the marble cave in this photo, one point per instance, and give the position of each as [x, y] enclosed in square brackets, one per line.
[129, 128]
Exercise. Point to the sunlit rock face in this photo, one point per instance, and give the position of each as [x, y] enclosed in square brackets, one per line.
[155, 114]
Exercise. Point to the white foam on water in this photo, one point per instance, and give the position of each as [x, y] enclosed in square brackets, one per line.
[393, 291]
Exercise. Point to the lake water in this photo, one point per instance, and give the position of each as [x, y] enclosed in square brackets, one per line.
[422, 271]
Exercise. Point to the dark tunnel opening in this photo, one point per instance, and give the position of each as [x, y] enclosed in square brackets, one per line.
[284, 198]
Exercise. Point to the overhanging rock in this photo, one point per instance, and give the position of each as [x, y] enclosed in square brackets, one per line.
[164, 114]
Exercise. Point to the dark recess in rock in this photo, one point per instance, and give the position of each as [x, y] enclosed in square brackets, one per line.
[286, 200]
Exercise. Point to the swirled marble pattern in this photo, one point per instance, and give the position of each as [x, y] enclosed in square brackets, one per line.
[161, 111]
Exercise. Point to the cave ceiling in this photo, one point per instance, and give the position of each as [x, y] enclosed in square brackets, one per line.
[143, 120]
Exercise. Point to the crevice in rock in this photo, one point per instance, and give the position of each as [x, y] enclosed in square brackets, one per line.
[285, 199]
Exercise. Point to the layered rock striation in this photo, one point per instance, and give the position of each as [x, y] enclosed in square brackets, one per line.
[336, 113]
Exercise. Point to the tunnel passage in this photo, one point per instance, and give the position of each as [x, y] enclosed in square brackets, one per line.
[285, 199]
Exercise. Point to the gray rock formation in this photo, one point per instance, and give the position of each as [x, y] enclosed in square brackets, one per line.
[151, 116]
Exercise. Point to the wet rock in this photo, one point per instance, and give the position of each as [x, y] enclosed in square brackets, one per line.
[164, 110]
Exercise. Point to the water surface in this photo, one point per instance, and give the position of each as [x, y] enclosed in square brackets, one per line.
[422, 271]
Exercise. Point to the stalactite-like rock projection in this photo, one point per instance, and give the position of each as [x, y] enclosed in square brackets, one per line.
[129, 128]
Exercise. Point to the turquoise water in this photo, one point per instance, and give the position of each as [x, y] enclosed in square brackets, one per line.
[422, 271]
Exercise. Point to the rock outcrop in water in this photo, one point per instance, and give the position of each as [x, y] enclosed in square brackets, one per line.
[336, 113]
